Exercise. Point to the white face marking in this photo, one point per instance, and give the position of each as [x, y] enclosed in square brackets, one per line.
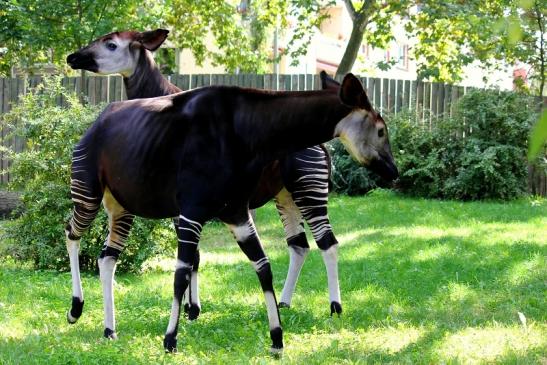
[114, 56]
[360, 136]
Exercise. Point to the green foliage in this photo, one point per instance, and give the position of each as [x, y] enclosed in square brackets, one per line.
[42, 174]
[347, 176]
[480, 153]
[241, 30]
[538, 137]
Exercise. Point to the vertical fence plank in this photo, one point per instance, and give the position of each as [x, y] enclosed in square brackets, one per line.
[405, 104]
[259, 81]
[434, 95]
[294, 83]
[385, 95]
[309, 82]
[427, 102]
[269, 81]
[391, 96]
[447, 99]
[399, 96]
[104, 89]
[3, 178]
[316, 82]
[377, 93]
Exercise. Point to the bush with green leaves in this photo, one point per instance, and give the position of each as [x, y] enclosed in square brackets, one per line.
[41, 173]
[479, 153]
[347, 176]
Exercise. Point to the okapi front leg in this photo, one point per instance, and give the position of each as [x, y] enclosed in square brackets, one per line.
[192, 305]
[120, 221]
[296, 240]
[248, 241]
[188, 232]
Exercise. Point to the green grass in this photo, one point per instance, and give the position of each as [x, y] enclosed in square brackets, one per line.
[422, 282]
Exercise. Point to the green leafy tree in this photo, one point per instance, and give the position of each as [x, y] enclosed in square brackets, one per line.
[242, 31]
[454, 33]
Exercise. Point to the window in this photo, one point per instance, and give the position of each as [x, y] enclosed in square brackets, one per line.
[402, 56]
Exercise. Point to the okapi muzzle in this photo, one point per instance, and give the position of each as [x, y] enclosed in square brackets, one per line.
[385, 167]
[82, 60]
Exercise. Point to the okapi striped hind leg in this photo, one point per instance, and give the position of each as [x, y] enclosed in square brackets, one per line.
[296, 240]
[310, 194]
[86, 205]
[249, 242]
[119, 221]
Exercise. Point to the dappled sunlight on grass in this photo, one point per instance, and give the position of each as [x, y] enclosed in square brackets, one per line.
[352, 346]
[491, 343]
[526, 270]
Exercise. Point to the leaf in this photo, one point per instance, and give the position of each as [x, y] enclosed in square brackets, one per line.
[538, 137]
[522, 319]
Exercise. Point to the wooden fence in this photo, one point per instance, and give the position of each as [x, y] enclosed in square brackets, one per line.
[387, 95]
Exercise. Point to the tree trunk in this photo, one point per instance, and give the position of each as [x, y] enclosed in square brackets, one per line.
[352, 49]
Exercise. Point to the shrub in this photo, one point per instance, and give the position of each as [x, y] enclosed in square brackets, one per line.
[492, 162]
[42, 174]
[478, 153]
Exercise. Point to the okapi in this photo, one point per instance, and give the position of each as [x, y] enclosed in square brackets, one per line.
[199, 155]
[298, 181]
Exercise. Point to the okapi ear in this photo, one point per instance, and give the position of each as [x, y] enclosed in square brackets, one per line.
[152, 39]
[352, 93]
[327, 82]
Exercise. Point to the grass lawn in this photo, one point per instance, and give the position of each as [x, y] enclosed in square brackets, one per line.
[422, 282]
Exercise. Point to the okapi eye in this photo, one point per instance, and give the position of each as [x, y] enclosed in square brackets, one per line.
[380, 132]
[111, 46]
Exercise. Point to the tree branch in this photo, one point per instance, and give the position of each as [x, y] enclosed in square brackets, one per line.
[351, 10]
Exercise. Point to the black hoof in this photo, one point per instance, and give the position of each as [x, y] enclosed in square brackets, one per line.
[111, 335]
[170, 343]
[75, 312]
[186, 308]
[193, 312]
[335, 307]
[284, 305]
[277, 342]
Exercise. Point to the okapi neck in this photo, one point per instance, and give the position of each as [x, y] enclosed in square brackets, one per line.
[295, 120]
[147, 80]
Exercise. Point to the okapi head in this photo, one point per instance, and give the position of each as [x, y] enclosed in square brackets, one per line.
[116, 52]
[363, 132]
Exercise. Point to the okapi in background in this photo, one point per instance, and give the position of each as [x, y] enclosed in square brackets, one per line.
[199, 155]
[298, 181]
